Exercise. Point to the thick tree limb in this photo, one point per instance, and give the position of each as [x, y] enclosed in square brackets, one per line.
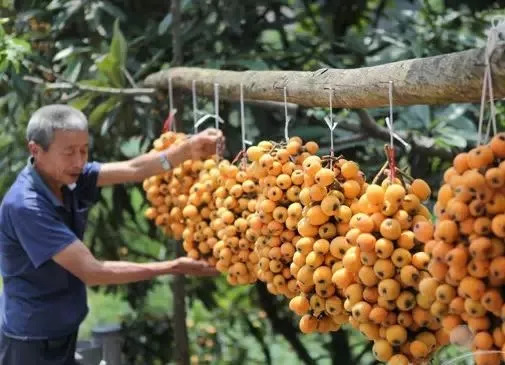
[449, 78]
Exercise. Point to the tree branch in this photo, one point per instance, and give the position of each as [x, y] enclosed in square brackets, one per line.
[423, 145]
[96, 89]
[281, 325]
[128, 76]
[350, 139]
[450, 78]
[70, 85]
[259, 337]
[340, 343]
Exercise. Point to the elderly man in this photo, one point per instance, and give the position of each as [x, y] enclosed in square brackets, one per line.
[44, 264]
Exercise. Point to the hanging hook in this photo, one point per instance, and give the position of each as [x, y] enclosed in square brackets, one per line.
[331, 126]
[197, 122]
[329, 119]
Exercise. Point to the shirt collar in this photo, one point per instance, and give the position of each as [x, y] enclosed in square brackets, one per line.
[39, 182]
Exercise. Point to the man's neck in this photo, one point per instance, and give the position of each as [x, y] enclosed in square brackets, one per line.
[53, 185]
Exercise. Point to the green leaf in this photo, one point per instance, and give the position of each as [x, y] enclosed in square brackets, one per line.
[5, 140]
[164, 24]
[131, 148]
[111, 68]
[113, 10]
[118, 47]
[83, 101]
[98, 114]
[63, 53]
[421, 113]
[451, 137]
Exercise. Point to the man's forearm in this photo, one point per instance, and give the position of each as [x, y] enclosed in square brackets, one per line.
[123, 272]
[149, 164]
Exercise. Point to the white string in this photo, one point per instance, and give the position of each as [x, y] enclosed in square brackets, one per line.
[216, 104]
[171, 111]
[216, 112]
[389, 121]
[482, 103]
[286, 118]
[497, 29]
[242, 118]
[197, 122]
[195, 110]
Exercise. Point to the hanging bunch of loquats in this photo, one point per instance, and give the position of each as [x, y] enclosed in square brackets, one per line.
[278, 169]
[467, 251]
[168, 193]
[200, 213]
[344, 251]
[382, 265]
[235, 223]
[331, 185]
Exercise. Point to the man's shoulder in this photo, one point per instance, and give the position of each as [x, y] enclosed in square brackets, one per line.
[21, 195]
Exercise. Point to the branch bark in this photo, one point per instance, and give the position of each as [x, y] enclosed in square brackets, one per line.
[449, 78]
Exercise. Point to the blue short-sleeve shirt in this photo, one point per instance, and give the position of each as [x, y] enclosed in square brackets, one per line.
[40, 298]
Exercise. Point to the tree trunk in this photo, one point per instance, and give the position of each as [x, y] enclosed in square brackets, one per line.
[178, 285]
[449, 78]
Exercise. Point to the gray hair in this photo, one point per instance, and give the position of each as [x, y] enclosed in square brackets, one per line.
[53, 117]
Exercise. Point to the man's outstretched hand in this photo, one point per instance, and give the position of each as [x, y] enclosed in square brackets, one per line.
[189, 266]
[205, 143]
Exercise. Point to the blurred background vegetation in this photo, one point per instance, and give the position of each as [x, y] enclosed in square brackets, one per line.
[55, 51]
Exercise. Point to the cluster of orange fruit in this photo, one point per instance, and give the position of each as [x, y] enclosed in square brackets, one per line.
[168, 193]
[278, 170]
[235, 200]
[382, 267]
[201, 214]
[467, 250]
[345, 251]
[331, 187]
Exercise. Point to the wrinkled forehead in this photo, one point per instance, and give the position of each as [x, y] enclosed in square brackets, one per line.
[70, 138]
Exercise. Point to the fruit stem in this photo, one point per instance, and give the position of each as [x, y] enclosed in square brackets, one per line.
[381, 171]
[404, 174]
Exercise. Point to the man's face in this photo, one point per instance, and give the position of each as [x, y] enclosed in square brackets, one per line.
[65, 158]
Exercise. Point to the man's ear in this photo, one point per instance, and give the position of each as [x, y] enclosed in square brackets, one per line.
[34, 148]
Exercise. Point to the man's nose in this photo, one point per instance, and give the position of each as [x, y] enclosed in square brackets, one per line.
[78, 161]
